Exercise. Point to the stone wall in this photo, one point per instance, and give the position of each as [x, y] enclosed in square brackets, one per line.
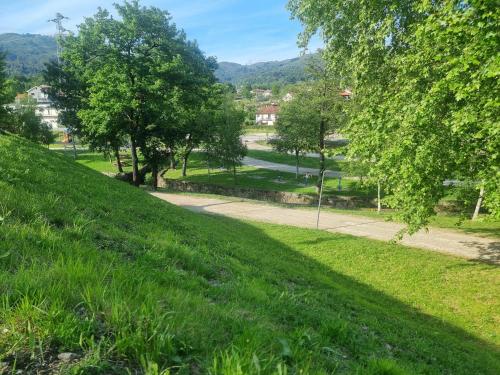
[265, 195]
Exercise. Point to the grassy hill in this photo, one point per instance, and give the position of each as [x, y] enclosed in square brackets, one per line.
[131, 284]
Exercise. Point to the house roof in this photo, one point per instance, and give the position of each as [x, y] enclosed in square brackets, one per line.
[268, 109]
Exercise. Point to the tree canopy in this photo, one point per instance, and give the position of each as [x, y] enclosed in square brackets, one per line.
[425, 80]
[133, 79]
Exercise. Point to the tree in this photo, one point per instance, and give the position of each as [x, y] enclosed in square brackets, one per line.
[295, 129]
[322, 100]
[27, 124]
[197, 87]
[131, 78]
[246, 91]
[5, 93]
[223, 144]
[425, 77]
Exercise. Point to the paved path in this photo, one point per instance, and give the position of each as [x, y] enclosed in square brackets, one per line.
[258, 163]
[444, 241]
[251, 141]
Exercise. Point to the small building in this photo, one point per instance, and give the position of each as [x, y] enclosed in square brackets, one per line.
[267, 115]
[44, 107]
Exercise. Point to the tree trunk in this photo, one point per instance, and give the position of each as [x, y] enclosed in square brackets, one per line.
[379, 207]
[118, 160]
[234, 173]
[297, 164]
[208, 169]
[478, 204]
[154, 175]
[184, 163]
[135, 163]
[321, 153]
[172, 159]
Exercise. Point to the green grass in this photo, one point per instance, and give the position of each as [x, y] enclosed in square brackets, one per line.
[265, 179]
[135, 285]
[246, 176]
[98, 161]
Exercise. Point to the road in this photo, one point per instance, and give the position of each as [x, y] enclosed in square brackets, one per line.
[251, 141]
[258, 163]
[444, 241]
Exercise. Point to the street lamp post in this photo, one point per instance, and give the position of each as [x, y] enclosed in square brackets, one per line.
[319, 201]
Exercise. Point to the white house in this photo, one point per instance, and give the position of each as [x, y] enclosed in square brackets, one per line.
[267, 115]
[44, 107]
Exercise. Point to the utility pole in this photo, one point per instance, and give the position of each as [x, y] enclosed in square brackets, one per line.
[60, 34]
[320, 197]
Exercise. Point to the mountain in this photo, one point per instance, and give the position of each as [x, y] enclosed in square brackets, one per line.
[265, 73]
[26, 54]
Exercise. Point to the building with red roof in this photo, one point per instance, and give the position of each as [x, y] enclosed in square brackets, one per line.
[267, 115]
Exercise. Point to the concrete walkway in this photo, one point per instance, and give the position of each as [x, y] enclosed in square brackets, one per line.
[444, 241]
[258, 163]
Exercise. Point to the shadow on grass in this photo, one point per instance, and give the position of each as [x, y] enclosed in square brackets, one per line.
[395, 330]
[238, 287]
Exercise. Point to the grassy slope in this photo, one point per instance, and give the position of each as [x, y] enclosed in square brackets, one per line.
[92, 265]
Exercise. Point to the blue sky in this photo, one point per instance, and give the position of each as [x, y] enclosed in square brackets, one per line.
[243, 31]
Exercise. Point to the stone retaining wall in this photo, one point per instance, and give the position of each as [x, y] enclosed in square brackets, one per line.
[265, 195]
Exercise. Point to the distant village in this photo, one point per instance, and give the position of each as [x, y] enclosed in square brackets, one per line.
[266, 114]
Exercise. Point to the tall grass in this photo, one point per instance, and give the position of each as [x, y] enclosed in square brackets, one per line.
[131, 284]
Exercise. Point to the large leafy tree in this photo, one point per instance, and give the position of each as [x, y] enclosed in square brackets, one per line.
[425, 79]
[128, 78]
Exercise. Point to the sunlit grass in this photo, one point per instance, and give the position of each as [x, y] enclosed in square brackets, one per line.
[132, 284]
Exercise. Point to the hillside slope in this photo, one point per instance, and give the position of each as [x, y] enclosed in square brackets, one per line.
[93, 266]
[265, 73]
[26, 54]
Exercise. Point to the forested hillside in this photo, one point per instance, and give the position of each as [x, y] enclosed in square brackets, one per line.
[26, 54]
[264, 73]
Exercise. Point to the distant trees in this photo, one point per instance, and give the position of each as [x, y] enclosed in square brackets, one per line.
[425, 81]
[223, 145]
[295, 128]
[316, 112]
